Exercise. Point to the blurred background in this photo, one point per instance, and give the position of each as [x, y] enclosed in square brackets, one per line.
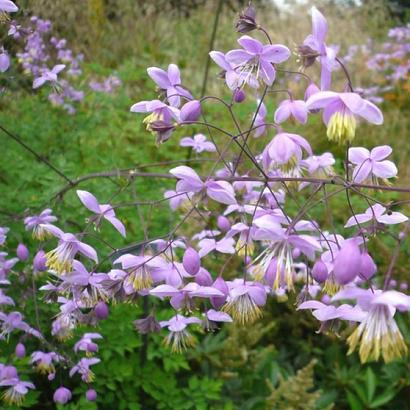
[279, 362]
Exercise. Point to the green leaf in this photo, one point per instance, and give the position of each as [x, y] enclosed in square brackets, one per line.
[355, 403]
[384, 398]
[371, 384]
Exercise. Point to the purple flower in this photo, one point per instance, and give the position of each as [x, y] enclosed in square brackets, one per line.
[244, 301]
[34, 223]
[39, 261]
[13, 321]
[340, 112]
[179, 338]
[5, 300]
[4, 61]
[83, 368]
[291, 108]
[314, 46]
[48, 76]
[102, 211]
[207, 245]
[62, 395]
[259, 58]
[44, 361]
[190, 111]
[3, 235]
[377, 334]
[61, 258]
[91, 395]
[6, 265]
[370, 163]
[20, 350]
[191, 261]
[8, 6]
[86, 343]
[199, 143]
[377, 212]
[16, 391]
[259, 120]
[22, 252]
[170, 82]
[347, 263]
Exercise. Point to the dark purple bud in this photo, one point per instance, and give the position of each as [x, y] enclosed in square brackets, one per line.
[203, 278]
[307, 55]
[22, 252]
[147, 325]
[101, 310]
[246, 21]
[62, 395]
[91, 395]
[221, 285]
[191, 261]
[239, 95]
[20, 350]
[319, 271]
[347, 262]
[223, 223]
[296, 253]
[163, 129]
[367, 268]
[191, 111]
[39, 261]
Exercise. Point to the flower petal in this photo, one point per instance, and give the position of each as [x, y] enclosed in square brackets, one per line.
[89, 201]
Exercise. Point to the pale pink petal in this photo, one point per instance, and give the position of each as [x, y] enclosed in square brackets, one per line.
[384, 169]
[89, 201]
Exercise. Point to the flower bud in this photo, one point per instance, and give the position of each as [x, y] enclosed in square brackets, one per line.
[246, 21]
[22, 252]
[191, 111]
[91, 395]
[101, 310]
[367, 268]
[203, 278]
[319, 271]
[347, 262]
[92, 348]
[191, 261]
[223, 223]
[62, 395]
[147, 324]
[296, 253]
[218, 301]
[310, 90]
[239, 95]
[39, 261]
[20, 350]
[9, 372]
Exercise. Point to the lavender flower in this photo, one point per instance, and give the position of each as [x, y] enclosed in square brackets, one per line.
[48, 76]
[16, 391]
[377, 212]
[83, 368]
[86, 343]
[35, 223]
[62, 395]
[45, 361]
[198, 143]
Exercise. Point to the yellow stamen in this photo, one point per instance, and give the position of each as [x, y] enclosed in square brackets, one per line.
[341, 128]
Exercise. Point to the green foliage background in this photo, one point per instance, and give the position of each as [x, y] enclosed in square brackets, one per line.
[277, 363]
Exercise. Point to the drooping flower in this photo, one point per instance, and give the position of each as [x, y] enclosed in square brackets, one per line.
[16, 391]
[244, 301]
[170, 82]
[198, 143]
[105, 211]
[48, 76]
[257, 59]
[86, 343]
[13, 321]
[372, 163]
[378, 334]
[319, 166]
[45, 361]
[246, 21]
[83, 368]
[35, 223]
[291, 108]
[61, 258]
[340, 111]
[179, 338]
[378, 213]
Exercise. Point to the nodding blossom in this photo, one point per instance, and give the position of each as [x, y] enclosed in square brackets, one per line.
[295, 109]
[16, 390]
[14, 321]
[198, 143]
[48, 76]
[340, 111]
[61, 258]
[86, 343]
[170, 82]
[44, 361]
[319, 166]
[105, 211]
[244, 301]
[377, 335]
[7, 6]
[257, 59]
[179, 337]
[372, 164]
[34, 223]
[83, 368]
